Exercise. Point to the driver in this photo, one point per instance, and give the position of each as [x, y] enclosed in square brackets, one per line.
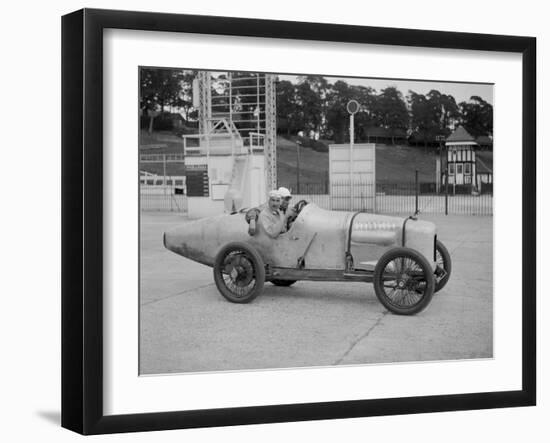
[285, 198]
[271, 218]
[289, 212]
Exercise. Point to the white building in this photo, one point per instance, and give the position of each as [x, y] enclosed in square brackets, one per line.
[462, 167]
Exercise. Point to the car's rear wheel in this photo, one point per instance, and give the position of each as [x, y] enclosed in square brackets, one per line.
[404, 281]
[443, 263]
[239, 272]
[277, 282]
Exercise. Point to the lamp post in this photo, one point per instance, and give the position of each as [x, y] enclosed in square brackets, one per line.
[440, 139]
[454, 178]
[298, 144]
[352, 107]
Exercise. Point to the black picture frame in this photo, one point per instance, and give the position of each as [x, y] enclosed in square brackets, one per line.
[82, 218]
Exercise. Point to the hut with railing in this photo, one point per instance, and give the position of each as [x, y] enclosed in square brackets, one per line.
[460, 168]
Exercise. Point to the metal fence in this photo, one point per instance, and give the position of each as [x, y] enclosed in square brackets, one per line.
[395, 198]
[429, 198]
[162, 198]
[383, 198]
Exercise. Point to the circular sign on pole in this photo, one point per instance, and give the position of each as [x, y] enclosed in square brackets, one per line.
[353, 106]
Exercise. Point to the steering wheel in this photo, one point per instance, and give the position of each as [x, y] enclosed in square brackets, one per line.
[299, 206]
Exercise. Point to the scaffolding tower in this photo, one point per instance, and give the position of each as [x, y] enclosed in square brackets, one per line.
[247, 101]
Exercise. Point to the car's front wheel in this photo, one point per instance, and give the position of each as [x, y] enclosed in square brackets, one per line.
[443, 266]
[404, 281]
[239, 272]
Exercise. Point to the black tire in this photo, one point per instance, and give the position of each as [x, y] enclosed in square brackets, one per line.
[443, 261]
[239, 272]
[277, 282]
[412, 286]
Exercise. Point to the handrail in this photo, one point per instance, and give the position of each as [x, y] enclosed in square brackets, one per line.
[161, 157]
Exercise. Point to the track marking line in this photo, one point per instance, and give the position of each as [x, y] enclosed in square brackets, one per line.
[360, 338]
[176, 294]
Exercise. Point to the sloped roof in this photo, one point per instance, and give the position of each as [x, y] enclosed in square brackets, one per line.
[484, 162]
[460, 135]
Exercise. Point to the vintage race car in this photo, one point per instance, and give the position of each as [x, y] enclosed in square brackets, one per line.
[402, 257]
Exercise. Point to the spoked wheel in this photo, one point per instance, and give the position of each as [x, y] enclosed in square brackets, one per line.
[239, 272]
[404, 281]
[443, 263]
[277, 282]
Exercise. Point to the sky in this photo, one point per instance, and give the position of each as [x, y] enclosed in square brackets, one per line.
[460, 91]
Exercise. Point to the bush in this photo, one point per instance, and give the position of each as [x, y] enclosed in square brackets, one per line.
[162, 122]
[188, 128]
[316, 145]
[303, 141]
[319, 146]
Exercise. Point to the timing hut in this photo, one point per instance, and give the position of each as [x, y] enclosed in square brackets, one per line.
[461, 163]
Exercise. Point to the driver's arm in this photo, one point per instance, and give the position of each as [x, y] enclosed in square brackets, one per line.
[290, 216]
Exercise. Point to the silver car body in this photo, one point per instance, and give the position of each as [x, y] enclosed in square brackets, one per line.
[363, 235]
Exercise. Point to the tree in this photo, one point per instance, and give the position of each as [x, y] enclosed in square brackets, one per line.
[390, 111]
[448, 112]
[321, 87]
[366, 96]
[443, 112]
[421, 118]
[286, 107]
[184, 100]
[432, 114]
[337, 116]
[477, 116]
[310, 106]
[159, 88]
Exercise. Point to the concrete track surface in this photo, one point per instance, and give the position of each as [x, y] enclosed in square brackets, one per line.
[187, 326]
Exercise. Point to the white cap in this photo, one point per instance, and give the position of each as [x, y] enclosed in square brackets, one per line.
[284, 192]
[274, 194]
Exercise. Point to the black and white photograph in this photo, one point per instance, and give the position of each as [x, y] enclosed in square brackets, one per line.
[304, 220]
